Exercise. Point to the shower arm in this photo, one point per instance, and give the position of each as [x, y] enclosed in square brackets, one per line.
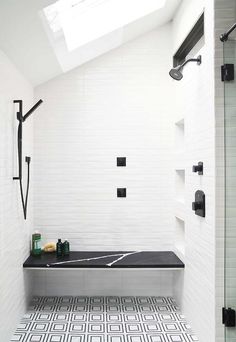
[224, 37]
[190, 60]
[31, 110]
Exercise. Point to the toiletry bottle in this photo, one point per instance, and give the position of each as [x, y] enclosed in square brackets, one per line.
[59, 248]
[66, 248]
[36, 243]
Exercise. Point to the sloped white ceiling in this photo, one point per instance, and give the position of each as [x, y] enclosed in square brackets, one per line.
[26, 42]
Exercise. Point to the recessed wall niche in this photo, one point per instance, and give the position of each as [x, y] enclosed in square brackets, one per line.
[179, 136]
[180, 185]
[180, 235]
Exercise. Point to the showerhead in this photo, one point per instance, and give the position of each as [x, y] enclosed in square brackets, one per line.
[32, 109]
[176, 73]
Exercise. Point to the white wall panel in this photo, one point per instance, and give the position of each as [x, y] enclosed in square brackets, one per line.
[14, 231]
[114, 106]
[195, 104]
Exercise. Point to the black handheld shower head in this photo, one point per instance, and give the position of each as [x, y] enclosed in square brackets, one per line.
[32, 109]
[21, 118]
[176, 73]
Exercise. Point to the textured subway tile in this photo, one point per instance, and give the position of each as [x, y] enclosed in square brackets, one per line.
[14, 232]
[117, 113]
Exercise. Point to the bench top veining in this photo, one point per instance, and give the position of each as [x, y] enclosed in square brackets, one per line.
[108, 259]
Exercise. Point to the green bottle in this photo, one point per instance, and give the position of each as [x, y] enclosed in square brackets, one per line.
[66, 248]
[59, 248]
[36, 243]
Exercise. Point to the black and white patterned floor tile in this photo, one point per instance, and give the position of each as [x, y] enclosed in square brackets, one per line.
[103, 319]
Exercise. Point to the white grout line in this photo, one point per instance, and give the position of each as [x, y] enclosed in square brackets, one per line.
[121, 256]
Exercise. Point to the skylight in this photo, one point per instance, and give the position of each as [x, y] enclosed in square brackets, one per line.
[83, 21]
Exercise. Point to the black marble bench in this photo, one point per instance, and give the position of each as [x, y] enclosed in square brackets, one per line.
[93, 259]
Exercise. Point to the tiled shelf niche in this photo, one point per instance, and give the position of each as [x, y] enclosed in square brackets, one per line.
[179, 169]
[179, 136]
[180, 185]
[180, 188]
[180, 236]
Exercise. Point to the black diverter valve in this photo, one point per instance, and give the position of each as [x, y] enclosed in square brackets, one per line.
[198, 168]
[199, 204]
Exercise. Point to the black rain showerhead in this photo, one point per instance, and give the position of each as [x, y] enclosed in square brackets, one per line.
[176, 73]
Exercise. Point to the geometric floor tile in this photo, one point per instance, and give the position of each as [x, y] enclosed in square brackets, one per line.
[103, 319]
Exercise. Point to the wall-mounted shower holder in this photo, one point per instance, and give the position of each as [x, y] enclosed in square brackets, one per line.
[199, 204]
[21, 118]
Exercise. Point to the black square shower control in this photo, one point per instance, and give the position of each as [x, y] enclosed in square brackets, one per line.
[121, 192]
[121, 161]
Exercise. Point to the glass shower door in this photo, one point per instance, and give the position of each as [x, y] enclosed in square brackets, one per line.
[230, 191]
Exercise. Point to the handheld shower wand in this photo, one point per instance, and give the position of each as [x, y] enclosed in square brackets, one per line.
[21, 118]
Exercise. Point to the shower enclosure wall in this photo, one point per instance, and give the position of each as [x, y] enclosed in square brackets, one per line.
[230, 191]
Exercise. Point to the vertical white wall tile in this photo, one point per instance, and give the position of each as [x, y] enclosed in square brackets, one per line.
[15, 286]
[113, 106]
[195, 103]
[225, 16]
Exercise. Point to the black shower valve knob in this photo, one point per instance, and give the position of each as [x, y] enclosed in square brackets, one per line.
[198, 168]
[199, 205]
[196, 205]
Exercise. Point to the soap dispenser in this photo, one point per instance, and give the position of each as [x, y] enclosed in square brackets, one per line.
[36, 244]
[59, 248]
[66, 248]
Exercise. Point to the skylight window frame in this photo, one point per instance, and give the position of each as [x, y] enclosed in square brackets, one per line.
[59, 27]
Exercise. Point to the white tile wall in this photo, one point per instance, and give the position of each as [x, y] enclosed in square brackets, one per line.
[195, 103]
[14, 232]
[117, 106]
[225, 16]
[126, 282]
[113, 106]
[122, 92]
